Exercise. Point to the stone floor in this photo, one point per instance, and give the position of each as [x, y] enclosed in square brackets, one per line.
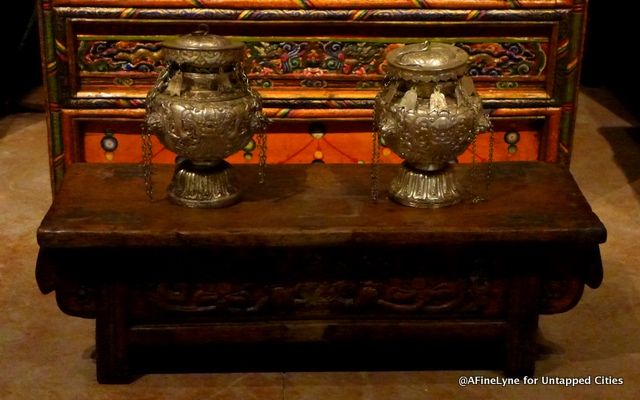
[45, 354]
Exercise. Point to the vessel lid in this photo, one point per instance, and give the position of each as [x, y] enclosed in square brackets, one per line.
[434, 61]
[202, 50]
[200, 40]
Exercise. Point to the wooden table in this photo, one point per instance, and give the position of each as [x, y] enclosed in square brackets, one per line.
[307, 257]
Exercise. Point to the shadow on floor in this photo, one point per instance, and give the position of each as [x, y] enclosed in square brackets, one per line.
[625, 143]
[623, 140]
[619, 106]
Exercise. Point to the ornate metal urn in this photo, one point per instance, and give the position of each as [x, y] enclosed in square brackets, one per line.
[428, 112]
[202, 108]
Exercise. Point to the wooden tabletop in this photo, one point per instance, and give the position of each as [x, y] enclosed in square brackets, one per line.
[323, 205]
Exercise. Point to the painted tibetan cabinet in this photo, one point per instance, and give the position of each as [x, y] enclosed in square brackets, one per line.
[318, 65]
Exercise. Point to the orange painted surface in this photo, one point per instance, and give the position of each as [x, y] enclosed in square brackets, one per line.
[282, 149]
[291, 148]
[527, 149]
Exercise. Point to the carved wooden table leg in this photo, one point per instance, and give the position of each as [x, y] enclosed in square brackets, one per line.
[111, 334]
[522, 322]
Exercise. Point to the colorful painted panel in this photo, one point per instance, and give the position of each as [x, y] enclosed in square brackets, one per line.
[118, 56]
[506, 59]
[316, 58]
[316, 63]
[367, 58]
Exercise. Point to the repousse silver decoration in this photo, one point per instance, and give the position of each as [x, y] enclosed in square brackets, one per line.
[202, 109]
[428, 113]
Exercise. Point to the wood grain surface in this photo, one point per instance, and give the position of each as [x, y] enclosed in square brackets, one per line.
[303, 205]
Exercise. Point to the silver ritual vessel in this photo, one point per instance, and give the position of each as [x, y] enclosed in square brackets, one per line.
[203, 109]
[428, 113]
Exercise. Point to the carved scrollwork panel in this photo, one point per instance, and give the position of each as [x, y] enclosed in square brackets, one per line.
[418, 296]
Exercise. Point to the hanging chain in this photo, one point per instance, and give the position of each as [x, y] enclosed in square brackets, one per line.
[260, 126]
[375, 164]
[475, 174]
[375, 147]
[375, 155]
[147, 148]
[147, 153]
[475, 197]
[262, 154]
[488, 177]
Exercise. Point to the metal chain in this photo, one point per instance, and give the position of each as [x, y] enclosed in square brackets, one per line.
[476, 198]
[147, 153]
[161, 83]
[489, 174]
[147, 149]
[262, 154]
[375, 164]
[261, 136]
[475, 176]
[375, 148]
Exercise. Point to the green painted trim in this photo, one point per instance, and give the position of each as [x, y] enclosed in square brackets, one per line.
[570, 88]
[573, 57]
[58, 175]
[52, 84]
[571, 72]
[57, 146]
[566, 131]
[49, 38]
[50, 57]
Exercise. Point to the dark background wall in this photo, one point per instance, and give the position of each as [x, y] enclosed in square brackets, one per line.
[20, 54]
[612, 32]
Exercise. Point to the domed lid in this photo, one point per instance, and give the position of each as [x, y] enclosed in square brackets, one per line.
[200, 40]
[434, 61]
[203, 50]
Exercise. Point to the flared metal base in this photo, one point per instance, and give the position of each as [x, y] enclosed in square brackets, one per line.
[204, 186]
[425, 189]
